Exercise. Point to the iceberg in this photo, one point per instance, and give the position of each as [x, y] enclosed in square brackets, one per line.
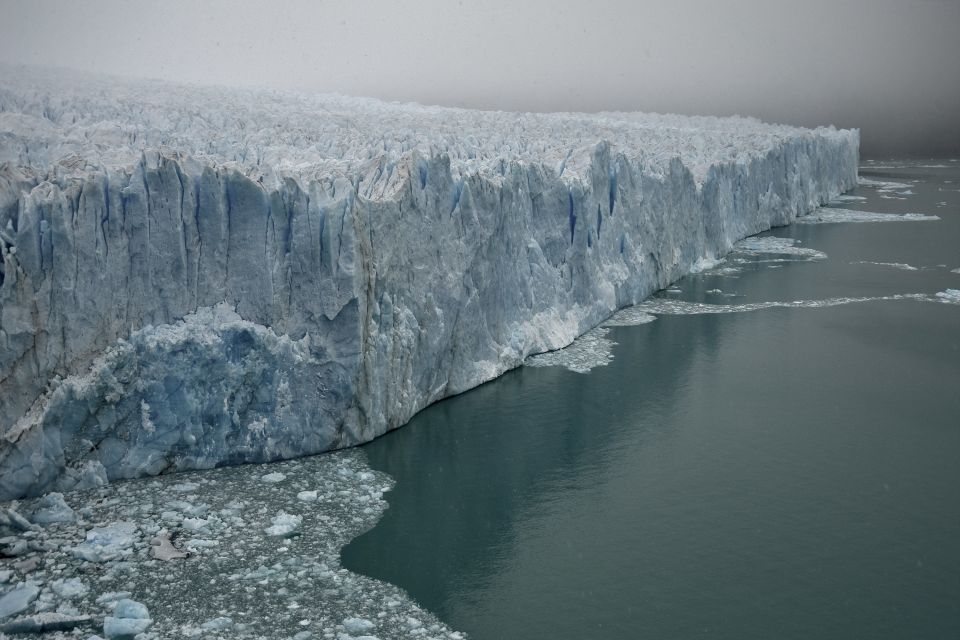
[194, 277]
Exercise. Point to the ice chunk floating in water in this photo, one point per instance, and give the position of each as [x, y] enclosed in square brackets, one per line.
[882, 185]
[664, 306]
[896, 265]
[830, 216]
[950, 296]
[769, 245]
[592, 349]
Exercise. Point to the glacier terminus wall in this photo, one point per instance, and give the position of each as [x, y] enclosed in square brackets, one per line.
[194, 277]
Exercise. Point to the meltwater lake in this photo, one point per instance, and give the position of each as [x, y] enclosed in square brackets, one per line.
[770, 472]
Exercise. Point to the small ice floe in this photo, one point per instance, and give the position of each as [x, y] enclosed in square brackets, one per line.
[882, 184]
[197, 525]
[106, 543]
[46, 622]
[674, 290]
[12, 522]
[895, 265]
[592, 349]
[957, 270]
[847, 198]
[52, 508]
[221, 623]
[358, 626]
[834, 216]
[273, 478]
[185, 487]
[187, 508]
[629, 317]
[69, 588]
[950, 296]
[129, 618]
[111, 598]
[284, 525]
[307, 496]
[770, 245]
[663, 306]
[18, 599]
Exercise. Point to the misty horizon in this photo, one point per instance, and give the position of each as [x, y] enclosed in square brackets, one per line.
[882, 67]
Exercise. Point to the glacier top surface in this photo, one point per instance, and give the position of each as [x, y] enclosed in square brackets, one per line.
[68, 122]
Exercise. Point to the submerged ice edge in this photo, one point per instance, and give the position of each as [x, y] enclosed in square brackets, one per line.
[263, 548]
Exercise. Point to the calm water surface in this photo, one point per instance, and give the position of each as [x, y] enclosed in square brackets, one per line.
[782, 473]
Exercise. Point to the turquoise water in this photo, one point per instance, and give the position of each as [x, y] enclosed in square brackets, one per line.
[778, 473]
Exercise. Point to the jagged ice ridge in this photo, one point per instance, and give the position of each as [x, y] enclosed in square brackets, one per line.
[201, 276]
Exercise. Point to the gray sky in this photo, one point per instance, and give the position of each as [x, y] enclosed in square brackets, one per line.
[890, 67]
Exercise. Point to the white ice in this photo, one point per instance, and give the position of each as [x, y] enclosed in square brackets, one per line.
[830, 216]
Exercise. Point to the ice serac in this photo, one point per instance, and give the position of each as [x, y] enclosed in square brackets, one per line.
[195, 277]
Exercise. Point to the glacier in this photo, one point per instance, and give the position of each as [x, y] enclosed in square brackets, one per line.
[202, 276]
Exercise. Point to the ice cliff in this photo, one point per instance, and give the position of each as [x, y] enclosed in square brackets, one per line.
[199, 276]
